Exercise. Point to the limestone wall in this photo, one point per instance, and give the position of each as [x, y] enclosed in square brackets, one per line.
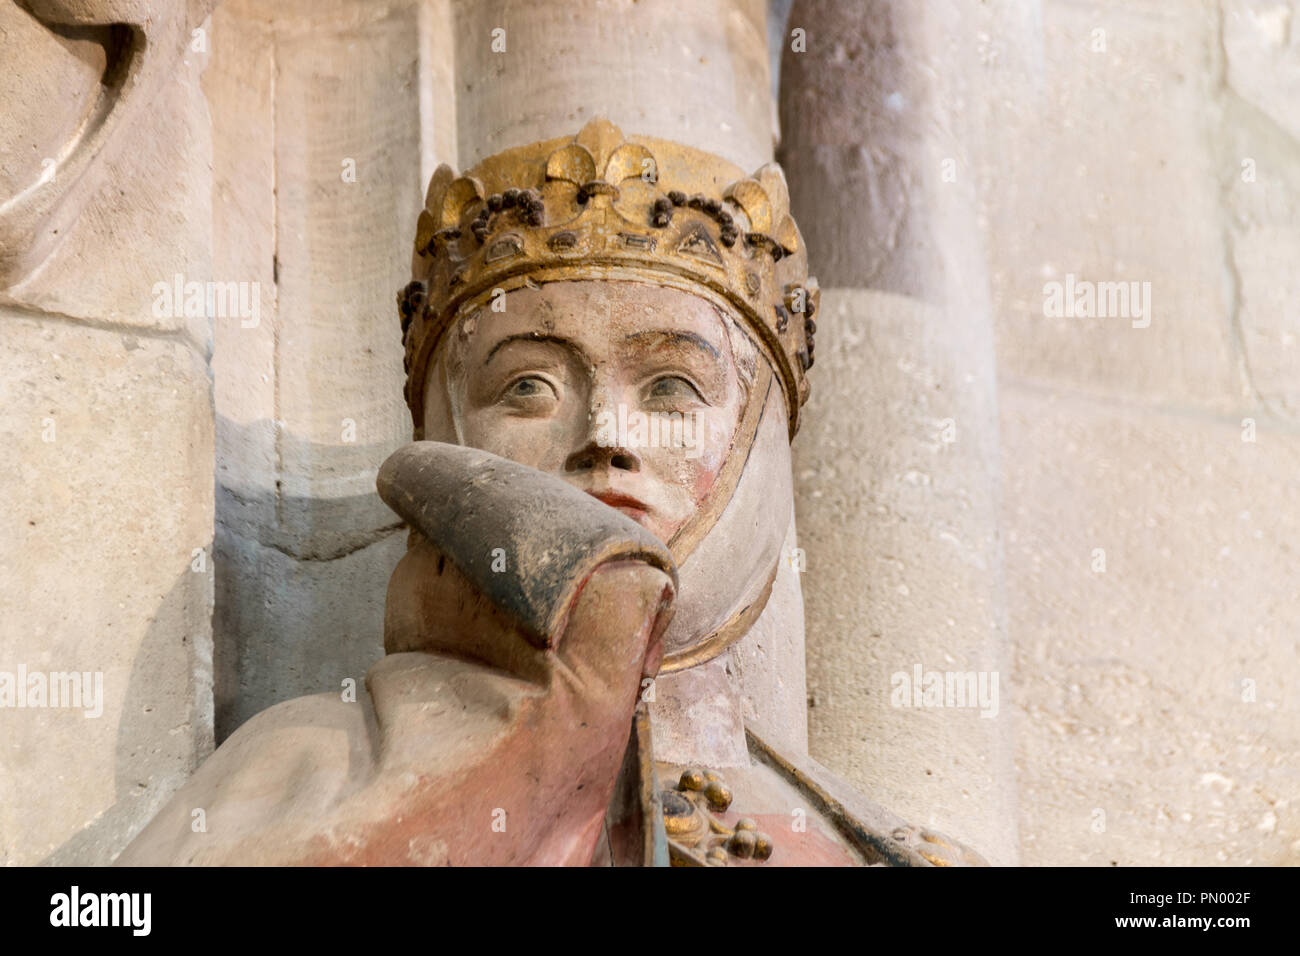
[1148, 479]
[1156, 713]
[319, 118]
[106, 426]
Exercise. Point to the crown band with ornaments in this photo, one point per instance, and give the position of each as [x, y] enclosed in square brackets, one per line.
[601, 206]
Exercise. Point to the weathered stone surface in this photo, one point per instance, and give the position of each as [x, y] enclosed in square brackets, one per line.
[141, 214]
[1260, 44]
[105, 551]
[1138, 740]
[1257, 150]
[1098, 164]
[238, 87]
[40, 67]
[317, 622]
[875, 143]
[106, 417]
[1166, 163]
[900, 531]
[693, 73]
[1267, 261]
[896, 470]
[318, 158]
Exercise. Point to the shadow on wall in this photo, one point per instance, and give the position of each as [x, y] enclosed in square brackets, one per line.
[164, 725]
[300, 578]
[299, 588]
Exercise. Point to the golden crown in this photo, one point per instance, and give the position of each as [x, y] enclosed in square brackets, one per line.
[601, 206]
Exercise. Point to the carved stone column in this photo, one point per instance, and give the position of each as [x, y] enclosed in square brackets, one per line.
[326, 114]
[692, 72]
[897, 469]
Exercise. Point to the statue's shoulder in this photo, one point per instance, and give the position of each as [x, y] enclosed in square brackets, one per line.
[293, 760]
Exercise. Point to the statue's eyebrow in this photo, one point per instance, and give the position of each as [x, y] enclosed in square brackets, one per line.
[536, 337]
[676, 335]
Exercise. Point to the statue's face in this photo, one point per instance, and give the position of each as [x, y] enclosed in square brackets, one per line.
[629, 391]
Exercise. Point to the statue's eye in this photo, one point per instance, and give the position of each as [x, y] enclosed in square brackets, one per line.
[529, 387]
[673, 386]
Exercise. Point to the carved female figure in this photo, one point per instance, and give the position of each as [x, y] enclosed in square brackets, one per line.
[607, 343]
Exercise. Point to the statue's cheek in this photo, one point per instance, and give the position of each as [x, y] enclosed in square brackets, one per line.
[541, 442]
[709, 443]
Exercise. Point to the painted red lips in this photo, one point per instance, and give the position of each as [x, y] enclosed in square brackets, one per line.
[634, 508]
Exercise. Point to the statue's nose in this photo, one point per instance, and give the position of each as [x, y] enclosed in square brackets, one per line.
[593, 456]
[605, 444]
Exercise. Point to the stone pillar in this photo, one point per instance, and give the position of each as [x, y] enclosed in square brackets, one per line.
[696, 73]
[106, 423]
[897, 467]
[323, 113]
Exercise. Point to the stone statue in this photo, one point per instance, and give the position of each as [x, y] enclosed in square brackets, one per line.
[607, 343]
